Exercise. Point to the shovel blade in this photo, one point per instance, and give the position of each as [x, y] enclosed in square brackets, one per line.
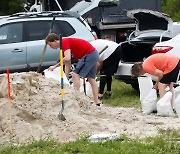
[61, 117]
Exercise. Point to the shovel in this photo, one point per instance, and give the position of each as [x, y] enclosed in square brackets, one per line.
[84, 85]
[103, 49]
[60, 115]
[45, 47]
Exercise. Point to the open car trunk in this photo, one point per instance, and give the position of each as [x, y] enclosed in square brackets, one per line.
[151, 23]
[134, 53]
[151, 27]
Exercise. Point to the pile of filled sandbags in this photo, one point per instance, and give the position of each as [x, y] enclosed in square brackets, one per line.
[150, 103]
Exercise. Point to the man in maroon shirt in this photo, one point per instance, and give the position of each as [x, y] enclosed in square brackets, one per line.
[85, 53]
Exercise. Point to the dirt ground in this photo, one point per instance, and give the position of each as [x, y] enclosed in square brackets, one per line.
[36, 102]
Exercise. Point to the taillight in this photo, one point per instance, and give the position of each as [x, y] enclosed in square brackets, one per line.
[121, 35]
[94, 35]
[161, 49]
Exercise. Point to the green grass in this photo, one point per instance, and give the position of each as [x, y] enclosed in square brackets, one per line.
[122, 95]
[165, 142]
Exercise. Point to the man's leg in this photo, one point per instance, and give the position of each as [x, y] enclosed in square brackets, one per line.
[162, 90]
[76, 81]
[94, 87]
[171, 86]
[109, 83]
[102, 84]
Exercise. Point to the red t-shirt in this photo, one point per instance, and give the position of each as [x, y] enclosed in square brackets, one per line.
[161, 61]
[78, 47]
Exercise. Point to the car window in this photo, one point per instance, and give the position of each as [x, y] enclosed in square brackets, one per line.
[65, 28]
[11, 33]
[38, 30]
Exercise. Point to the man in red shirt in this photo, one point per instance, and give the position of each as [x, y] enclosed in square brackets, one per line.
[165, 66]
[85, 53]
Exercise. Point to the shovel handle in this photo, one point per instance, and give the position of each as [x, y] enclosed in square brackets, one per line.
[52, 23]
[61, 66]
[84, 85]
[45, 46]
[103, 49]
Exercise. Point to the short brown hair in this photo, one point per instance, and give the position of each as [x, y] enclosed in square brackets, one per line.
[136, 69]
[51, 37]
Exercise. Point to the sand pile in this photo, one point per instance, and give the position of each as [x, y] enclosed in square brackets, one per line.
[36, 102]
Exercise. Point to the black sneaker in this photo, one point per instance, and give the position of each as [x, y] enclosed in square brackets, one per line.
[98, 104]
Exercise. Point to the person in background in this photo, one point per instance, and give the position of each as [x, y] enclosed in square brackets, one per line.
[107, 64]
[85, 53]
[164, 66]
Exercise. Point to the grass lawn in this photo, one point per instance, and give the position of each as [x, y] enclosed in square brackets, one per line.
[167, 142]
[122, 95]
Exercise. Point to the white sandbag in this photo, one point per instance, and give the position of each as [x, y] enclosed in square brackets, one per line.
[56, 74]
[176, 91]
[164, 107]
[145, 86]
[149, 104]
[177, 105]
[103, 137]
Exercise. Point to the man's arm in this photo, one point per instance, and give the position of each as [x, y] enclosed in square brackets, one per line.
[66, 59]
[99, 66]
[51, 68]
[159, 74]
[67, 62]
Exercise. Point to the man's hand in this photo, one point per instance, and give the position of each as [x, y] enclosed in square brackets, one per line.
[155, 86]
[51, 68]
[159, 74]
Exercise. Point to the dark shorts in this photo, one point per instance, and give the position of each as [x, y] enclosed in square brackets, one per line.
[86, 66]
[171, 76]
[110, 64]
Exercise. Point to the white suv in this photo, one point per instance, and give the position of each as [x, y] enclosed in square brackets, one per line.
[22, 38]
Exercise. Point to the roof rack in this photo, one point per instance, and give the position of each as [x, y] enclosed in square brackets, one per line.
[39, 14]
[22, 15]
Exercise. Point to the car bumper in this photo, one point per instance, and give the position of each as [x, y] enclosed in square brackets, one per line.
[124, 74]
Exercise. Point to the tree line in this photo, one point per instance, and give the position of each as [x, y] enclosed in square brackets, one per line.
[170, 7]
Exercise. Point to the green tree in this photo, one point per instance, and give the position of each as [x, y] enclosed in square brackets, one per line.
[11, 6]
[172, 8]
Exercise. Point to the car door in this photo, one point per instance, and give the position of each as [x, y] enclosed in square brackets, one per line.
[12, 49]
[37, 31]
